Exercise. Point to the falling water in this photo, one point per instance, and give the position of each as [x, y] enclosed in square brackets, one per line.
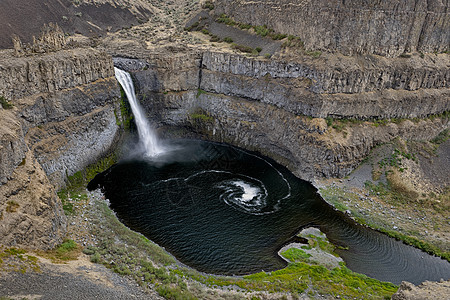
[146, 135]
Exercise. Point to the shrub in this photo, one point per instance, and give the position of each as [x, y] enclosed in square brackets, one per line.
[259, 49]
[278, 36]
[12, 206]
[228, 40]
[223, 18]
[243, 48]
[5, 103]
[214, 38]
[245, 26]
[261, 30]
[208, 5]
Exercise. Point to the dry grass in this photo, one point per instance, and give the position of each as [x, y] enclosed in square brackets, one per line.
[68, 250]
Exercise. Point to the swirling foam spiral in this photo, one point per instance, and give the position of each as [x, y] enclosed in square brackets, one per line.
[248, 195]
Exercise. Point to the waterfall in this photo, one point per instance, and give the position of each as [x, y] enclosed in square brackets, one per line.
[147, 137]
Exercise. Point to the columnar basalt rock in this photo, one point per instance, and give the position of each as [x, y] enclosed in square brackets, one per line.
[278, 108]
[63, 117]
[26, 76]
[387, 28]
[351, 87]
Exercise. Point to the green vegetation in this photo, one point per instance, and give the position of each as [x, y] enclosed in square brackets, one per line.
[208, 5]
[5, 103]
[15, 259]
[294, 255]
[214, 38]
[242, 48]
[299, 276]
[201, 116]
[293, 42]
[76, 183]
[442, 137]
[223, 18]
[431, 249]
[261, 30]
[129, 253]
[227, 39]
[395, 159]
[174, 292]
[337, 196]
[194, 26]
[68, 250]
[200, 92]
[321, 243]
[125, 111]
[314, 54]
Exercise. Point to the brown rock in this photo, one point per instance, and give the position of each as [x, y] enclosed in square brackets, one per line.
[426, 291]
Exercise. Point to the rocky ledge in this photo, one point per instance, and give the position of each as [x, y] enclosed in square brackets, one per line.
[57, 116]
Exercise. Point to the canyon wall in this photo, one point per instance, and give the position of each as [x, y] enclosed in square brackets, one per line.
[61, 118]
[382, 27]
[278, 108]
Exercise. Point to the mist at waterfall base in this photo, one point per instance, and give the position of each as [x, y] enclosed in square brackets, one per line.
[223, 210]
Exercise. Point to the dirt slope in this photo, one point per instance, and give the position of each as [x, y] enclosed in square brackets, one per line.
[25, 18]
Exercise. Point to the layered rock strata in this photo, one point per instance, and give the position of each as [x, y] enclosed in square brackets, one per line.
[62, 118]
[278, 108]
[387, 28]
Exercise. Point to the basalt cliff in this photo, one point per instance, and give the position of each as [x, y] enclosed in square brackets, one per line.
[279, 108]
[60, 118]
[366, 73]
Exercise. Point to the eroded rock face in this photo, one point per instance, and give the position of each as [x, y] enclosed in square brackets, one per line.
[278, 108]
[351, 87]
[387, 28]
[26, 76]
[426, 291]
[30, 212]
[63, 118]
[12, 145]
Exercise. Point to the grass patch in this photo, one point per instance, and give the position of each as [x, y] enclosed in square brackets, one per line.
[68, 250]
[297, 277]
[294, 255]
[174, 292]
[201, 116]
[16, 260]
[75, 189]
[442, 137]
[409, 240]
[314, 54]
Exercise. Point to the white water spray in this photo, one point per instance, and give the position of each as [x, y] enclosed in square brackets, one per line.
[146, 135]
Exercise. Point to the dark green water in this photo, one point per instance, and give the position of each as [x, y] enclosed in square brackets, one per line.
[222, 210]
